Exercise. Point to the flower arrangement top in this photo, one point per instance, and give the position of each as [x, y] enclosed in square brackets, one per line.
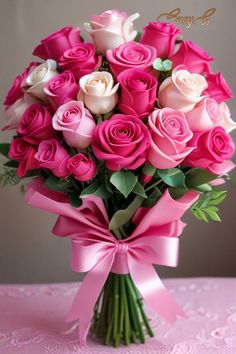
[121, 127]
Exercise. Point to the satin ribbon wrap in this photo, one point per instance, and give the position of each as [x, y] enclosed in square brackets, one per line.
[96, 251]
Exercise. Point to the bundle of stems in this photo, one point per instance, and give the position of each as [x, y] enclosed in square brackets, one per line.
[119, 316]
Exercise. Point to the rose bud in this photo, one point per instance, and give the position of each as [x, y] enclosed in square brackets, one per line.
[82, 167]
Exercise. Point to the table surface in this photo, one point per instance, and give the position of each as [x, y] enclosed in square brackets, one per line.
[32, 320]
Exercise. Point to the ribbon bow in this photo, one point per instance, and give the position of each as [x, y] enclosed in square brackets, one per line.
[96, 251]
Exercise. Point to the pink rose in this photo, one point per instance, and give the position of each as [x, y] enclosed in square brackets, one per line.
[161, 36]
[53, 46]
[131, 55]
[111, 29]
[24, 153]
[194, 57]
[121, 142]
[213, 150]
[82, 167]
[53, 156]
[76, 124]
[61, 89]
[138, 92]
[81, 60]
[36, 124]
[182, 91]
[207, 114]
[169, 136]
[16, 91]
[218, 88]
[16, 111]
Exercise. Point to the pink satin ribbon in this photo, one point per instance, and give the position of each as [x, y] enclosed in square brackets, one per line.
[96, 251]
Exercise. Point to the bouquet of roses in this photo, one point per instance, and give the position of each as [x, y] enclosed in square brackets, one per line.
[122, 135]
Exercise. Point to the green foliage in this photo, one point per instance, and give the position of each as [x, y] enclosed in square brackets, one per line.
[173, 177]
[197, 177]
[162, 65]
[9, 177]
[139, 190]
[4, 149]
[205, 208]
[152, 198]
[138, 37]
[98, 188]
[124, 181]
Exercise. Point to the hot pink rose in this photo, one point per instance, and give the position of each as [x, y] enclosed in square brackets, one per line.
[36, 124]
[121, 142]
[81, 60]
[182, 91]
[53, 156]
[169, 136]
[16, 111]
[131, 55]
[76, 124]
[213, 150]
[138, 92]
[82, 167]
[218, 88]
[24, 153]
[162, 36]
[16, 91]
[53, 46]
[208, 114]
[111, 29]
[61, 89]
[194, 57]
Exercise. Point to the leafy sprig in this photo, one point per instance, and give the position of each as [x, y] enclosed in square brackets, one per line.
[205, 208]
[9, 177]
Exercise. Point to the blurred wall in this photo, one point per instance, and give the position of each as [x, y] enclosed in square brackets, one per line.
[28, 252]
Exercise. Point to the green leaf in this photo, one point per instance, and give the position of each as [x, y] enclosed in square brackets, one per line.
[203, 188]
[4, 149]
[139, 190]
[177, 192]
[152, 198]
[198, 176]
[217, 197]
[97, 188]
[205, 207]
[148, 170]
[58, 184]
[167, 65]
[74, 199]
[11, 163]
[121, 217]
[124, 181]
[157, 64]
[199, 214]
[173, 177]
[213, 213]
[9, 177]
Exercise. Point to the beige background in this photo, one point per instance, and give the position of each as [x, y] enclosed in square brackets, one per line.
[28, 252]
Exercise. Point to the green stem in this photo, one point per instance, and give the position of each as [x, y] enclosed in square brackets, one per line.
[126, 312]
[116, 304]
[153, 185]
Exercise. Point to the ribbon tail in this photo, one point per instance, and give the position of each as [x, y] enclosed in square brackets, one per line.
[86, 297]
[153, 290]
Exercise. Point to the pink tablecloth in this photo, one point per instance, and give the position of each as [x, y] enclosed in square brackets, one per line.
[31, 320]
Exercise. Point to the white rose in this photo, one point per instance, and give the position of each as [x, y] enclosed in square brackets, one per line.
[111, 29]
[97, 92]
[16, 111]
[38, 78]
[182, 91]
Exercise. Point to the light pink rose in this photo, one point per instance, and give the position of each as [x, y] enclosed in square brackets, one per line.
[213, 150]
[182, 91]
[16, 111]
[98, 92]
[111, 29]
[138, 92]
[194, 57]
[121, 142]
[76, 124]
[53, 156]
[218, 88]
[207, 114]
[61, 88]
[162, 36]
[16, 92]
[81, 60]
[36, 124]
[169, 136]
[82, 167]
[131, 55]
[24, 153]
[54, 45]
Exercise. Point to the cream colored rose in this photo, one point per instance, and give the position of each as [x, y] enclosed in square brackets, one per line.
[182, 91]
[225, 120]
[38, 78]
[97, 92]
[111, 29]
